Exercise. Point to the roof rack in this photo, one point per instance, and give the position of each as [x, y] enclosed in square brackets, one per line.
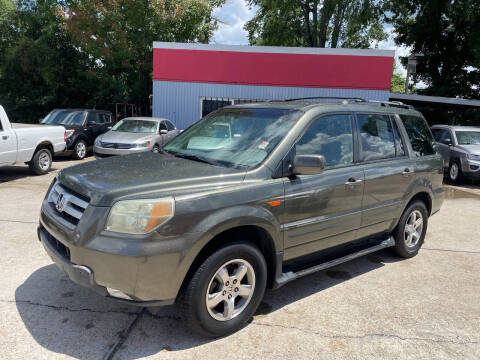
[357, 100]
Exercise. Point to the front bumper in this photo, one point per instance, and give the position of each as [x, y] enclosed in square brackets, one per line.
[100, 152]
[81, 274]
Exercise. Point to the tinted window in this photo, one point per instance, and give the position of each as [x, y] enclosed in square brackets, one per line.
[330, 136]
[163, 126]
[419, 134]
[170, 126]
[437, 133]
[399, 145]
[376, 137]
[93, 117]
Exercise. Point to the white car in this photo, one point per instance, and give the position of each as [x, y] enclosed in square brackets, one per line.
[33, 145]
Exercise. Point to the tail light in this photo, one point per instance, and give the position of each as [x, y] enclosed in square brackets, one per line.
[65, 135]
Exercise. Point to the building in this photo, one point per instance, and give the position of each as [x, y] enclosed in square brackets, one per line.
[191, 80]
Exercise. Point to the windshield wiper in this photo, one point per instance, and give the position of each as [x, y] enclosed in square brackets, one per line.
[196, 158]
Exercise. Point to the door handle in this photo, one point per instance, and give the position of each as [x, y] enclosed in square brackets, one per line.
[407, 172]
[5, 137]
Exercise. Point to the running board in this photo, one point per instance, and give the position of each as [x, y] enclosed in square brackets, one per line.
[289, 276]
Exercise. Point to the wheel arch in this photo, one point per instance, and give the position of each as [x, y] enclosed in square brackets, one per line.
[423, 196]
[253, 233]
[43, 145]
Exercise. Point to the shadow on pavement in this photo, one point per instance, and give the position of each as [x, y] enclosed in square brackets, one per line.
[11, 173]
[48, 292]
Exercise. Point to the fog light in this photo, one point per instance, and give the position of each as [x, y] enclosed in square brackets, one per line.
[118, 294]
[473, 167]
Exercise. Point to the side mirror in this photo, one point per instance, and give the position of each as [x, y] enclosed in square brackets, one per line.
[447, 142]
[91, 123]
[163, 132]
[308, 164]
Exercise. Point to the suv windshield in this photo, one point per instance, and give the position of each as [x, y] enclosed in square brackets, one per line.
[234, 137]
[65, 117]
[136, 126]
[468, 137]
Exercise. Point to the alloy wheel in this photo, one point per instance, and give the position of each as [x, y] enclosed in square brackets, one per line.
[44, 161]
[230, 289]
[81, 150]
[454, 171]
[413, 229]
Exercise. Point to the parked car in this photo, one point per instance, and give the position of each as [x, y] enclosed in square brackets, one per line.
[29, 144]
[460, 149]
[83, 127]
[300, 187]
[134, 135]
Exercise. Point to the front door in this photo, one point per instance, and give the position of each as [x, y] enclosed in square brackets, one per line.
[389, 172]
[324, 210]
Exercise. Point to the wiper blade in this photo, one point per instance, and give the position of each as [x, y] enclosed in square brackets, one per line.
[195, 158]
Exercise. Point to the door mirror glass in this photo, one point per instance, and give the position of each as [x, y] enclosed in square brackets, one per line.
[163, 131]
[308, 164]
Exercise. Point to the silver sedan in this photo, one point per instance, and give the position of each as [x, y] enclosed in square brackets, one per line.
[133, 135]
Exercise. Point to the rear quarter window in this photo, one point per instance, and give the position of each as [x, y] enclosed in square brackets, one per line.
[420, 136]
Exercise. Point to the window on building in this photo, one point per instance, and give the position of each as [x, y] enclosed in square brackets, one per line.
[420, 136]
[330, 136]
[211, 104]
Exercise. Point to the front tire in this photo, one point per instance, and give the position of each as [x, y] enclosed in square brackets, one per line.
[411, 229]
[156, 149]
[80, 150]
[41, 162]
[225, 290]
[455, 174]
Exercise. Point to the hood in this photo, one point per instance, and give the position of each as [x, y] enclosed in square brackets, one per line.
[144, 175]
[472, 149]
[124, 137]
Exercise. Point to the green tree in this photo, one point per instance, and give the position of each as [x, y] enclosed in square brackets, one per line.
[316, 23]
[118, 36]
[447, 33]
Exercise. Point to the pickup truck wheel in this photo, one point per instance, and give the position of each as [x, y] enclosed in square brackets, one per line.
[80, 150]
[455, 172]
[410, 231]
[225, 291]
[41, 162]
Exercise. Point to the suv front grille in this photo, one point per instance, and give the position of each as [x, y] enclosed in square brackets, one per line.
[110, 145]
[67, 204]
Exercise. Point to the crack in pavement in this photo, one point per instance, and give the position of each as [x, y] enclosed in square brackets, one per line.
[19, 221]
[393, 336]
[66, 308]
[455, 251]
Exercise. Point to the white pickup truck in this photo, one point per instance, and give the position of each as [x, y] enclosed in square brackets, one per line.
[33, 145]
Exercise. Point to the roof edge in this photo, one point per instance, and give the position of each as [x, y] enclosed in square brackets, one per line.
[273, 49]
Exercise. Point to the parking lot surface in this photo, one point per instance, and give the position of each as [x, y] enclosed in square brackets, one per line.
[378, 306]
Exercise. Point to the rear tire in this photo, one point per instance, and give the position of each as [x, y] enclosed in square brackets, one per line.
[225, 290]
[41, 162]
[410, 231]
[79, 150]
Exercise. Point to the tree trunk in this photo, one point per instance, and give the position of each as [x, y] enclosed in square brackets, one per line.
[325, 17]
[338, 22]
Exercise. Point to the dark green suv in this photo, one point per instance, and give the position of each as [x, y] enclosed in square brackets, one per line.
[252, 196]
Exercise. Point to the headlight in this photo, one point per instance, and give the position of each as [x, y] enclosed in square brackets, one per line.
[145, 144]
[473, 157]
[140, 216]
[69, 133]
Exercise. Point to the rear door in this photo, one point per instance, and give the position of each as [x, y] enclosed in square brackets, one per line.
[94, 127]
[324, 210]
[389, 171]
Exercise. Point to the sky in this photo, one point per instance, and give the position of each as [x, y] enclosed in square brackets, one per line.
[235, 13]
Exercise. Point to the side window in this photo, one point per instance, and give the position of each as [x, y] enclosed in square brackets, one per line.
[437, 134]
[419, 134]
[330, 136]
[446, 135]
[399, 145]
[163, 126]
[170, 126]
[376, 137]
[108, 118]
[93, 117]
[1, 127]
